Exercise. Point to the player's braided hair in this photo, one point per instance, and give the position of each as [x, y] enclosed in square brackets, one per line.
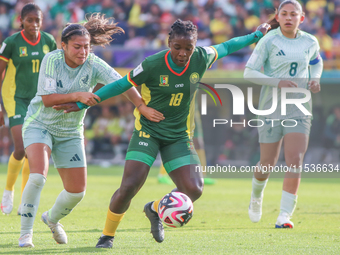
[181, 27]
[29, 8]
[273, 22]
[99, 28]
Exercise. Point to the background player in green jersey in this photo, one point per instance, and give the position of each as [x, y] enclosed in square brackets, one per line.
[66, 75]
[21, 54]
[167, 79]
[286, 54]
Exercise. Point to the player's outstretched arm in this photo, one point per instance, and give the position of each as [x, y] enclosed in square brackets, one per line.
[238, 43]
[3, 65]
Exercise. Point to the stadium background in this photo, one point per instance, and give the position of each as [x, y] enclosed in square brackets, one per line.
[146, 24]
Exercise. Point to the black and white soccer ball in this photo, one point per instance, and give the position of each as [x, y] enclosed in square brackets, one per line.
[175, 209]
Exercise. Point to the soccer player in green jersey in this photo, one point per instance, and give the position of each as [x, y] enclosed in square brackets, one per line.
[287, 54]
[21, 54]
[67, 75]
[166, 79]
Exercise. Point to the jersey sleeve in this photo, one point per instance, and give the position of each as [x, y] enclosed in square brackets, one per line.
[53, 44]
[259, 56]
[6, 50]
[315, 58]
[104, 73]
[210, 55]
[47, 82]
[140, 74]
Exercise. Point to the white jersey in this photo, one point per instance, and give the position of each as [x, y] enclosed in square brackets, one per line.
[285, 59]
[56, 77]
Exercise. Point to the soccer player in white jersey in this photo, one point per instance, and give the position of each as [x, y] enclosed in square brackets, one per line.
[66, 75]
[286, 54]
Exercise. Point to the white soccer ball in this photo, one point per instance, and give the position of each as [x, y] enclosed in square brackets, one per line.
[175, 209]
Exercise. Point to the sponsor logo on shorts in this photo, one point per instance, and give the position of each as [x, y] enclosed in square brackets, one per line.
[143, 144]
[43, 133]
[18, 116]
[75, 158]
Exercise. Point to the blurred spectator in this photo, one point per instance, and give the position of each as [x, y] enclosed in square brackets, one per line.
[326, 43]
[4, 18]
[220, 27]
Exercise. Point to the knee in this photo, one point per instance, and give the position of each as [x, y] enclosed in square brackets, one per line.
[194, 191]
[37, 179]
[19, 153]
[294, 160]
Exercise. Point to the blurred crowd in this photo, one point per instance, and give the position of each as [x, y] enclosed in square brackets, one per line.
[147, 22]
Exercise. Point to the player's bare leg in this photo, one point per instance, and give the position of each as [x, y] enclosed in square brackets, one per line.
[295, 147]
[269, 156]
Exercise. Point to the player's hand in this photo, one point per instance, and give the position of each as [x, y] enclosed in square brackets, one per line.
[264, 28]
[88, 98]
[314, 86]
[287, 84]
[2, 121]
[151, 114]
[69, 107]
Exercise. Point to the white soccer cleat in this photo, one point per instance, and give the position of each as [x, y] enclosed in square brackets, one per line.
[58, 232]
[7, 201]
[26, 240]
[255, 208]
[283, 221]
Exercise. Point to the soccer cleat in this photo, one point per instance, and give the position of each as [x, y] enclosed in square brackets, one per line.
[209, 181]
[58, 232]
[26, 241]
[283, 221]
[157, 229]
[19, 210]
[7, 201]
[105, 242]
[255, 208]
[164, 179]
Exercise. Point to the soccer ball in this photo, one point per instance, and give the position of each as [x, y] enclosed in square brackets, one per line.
[175, 209]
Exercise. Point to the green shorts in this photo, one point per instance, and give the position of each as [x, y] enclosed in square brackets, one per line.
[67, 152]
[273, 131]
[16, 110]
[144, 148]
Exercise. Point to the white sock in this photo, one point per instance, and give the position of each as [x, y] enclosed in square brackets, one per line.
[288, 203]
[30, 202]
[64, 204]
[258, 187]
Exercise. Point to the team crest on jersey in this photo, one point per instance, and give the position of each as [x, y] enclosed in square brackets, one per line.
[46, 49]
[164, 79]
[190, 145]
[194, 78]
[23, 52]
[83, 82]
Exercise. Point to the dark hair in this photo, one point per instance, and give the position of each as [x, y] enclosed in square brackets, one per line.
[181, 27]
[29, 8]
[99, 29]
[273, 22]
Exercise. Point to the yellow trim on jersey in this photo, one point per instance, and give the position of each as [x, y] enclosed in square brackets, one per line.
[146, 95]
[191, 118]
[216, 56]
[9, 88]
[4, 59]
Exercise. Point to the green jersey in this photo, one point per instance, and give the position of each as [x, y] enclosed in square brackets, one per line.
[56, 77]
[24, 59]
[170, 93]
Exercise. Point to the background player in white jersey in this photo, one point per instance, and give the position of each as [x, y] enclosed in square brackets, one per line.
[286, 54]
[67, 75]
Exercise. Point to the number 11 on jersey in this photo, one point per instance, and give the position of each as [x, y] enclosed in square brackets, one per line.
[35, 65]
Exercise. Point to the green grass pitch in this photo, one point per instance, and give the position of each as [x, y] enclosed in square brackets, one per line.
[220, 224]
